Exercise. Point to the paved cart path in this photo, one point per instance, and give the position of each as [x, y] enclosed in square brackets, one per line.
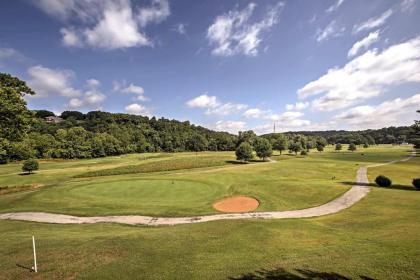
[356, 193]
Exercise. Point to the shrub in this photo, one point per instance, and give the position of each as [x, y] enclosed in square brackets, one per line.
[263, 148]
[383, 181]
[366, 145]
[30, 165]
[416, 183]
[303, 153]
[352, 147]
[338, 147]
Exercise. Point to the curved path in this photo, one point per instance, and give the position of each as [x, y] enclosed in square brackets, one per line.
[356, 193]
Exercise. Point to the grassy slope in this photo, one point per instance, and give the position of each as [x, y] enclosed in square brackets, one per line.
[291, 183]
[378, 237]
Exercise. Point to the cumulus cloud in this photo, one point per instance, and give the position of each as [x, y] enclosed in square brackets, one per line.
[364, 43]
[46, 81]
[180, 28]
[203, 101]
[365, 76]
[229, 126]
[393, 112]
[108, 24]
[91, 98]
[137, 91]
[286, 119]
[335, 6]
[332, 30]
[234, 33]
[138, 109]
[373, 22]
[297, 106]
[226, 109]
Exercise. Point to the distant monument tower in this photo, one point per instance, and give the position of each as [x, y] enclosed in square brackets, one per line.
[274, 128]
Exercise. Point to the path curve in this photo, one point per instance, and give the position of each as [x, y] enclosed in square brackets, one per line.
[356, 193]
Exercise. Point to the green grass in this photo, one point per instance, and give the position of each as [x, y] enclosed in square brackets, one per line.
[378, 237]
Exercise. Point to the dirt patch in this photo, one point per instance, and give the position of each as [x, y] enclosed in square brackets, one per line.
[236, 204]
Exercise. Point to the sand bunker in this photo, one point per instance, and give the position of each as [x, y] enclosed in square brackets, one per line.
[236, 204]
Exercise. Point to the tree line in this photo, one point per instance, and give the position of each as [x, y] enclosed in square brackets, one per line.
[27, 134]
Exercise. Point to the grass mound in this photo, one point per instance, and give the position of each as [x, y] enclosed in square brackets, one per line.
[159, 166]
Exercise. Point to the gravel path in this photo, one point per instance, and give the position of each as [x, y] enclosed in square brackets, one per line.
[356, 193]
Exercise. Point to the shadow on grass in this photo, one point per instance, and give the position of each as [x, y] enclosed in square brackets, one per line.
[393, 187]
[26, 174]
[298, 274]
[25, 267]
[236, 162]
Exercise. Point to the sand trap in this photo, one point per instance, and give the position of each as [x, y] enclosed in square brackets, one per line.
[236, 204]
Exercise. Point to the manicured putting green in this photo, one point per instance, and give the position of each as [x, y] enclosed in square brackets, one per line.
[148, 196]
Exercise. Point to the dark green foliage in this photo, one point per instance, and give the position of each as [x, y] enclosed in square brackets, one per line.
[366, 145]
[280, 143]
[72, 114]
[383, 181]
[244, 152]
[263, 148]
[15, 84]
[319, 148]
[303, 153]
[338, 147]
[295, 147]
[246, 136]
[416, 183]
[30, 165]
[197, 143]
[352, 147]
[43, 114]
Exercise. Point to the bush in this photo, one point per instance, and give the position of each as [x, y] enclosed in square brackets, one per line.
[352, 147]
[30, 165]
[383, 181]
[303, 153]
[416, 183]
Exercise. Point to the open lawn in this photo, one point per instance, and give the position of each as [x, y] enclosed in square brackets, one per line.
[377, 238]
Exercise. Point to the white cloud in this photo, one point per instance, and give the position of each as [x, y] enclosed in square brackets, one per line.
[180, 28]
[408, 6]
[91, 98]
[297, 106]
[203, 101]
[229, 126]
[288, 118]
[233, 33]
[330, 31]
[9, 53]
[255, 113]
[335, 6]
[364, 43]
[108, 24]
[158, 12]
[365, 76]
[393, 112]
[226, 109]
[138, 91]
[138, 109]
[373, 22]
[70, 38]
[47, 81]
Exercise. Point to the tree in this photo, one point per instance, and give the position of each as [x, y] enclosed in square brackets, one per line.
[43, 114]
[338, 147]
[263, 148]
[244, 152]
[72, 114]
[366, 145]
[383, 181]
[197, 143]
[30, 165]
[352, 147]
[246, 136]
[320, 148]
[295, 147]
[416, 183]
[280, 144]
[14, 116]
[14, 83]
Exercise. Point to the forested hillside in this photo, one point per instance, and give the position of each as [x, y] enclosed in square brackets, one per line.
[40, 134]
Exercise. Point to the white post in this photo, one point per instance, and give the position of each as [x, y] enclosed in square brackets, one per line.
[33, 244]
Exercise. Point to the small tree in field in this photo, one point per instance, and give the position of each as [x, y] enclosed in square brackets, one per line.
[383, 181]
[244, 152]
[366, 145]
[280, 144]
[263, 148]
[295, 147]
[352, 147]
[320, 148]
[338, 147]
[416, 183]
[30, 165]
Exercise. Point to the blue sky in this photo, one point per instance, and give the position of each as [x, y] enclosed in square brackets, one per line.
[226, 65]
